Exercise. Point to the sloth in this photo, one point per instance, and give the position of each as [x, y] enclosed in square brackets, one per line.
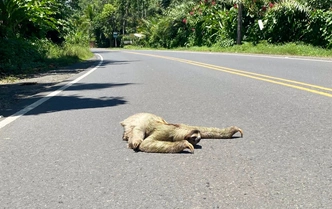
[150, 133]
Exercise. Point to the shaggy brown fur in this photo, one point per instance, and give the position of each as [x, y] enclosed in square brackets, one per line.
[150, 133]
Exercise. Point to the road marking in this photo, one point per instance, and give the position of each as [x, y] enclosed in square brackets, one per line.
[24, 111]
[271, 79]
[312, 59]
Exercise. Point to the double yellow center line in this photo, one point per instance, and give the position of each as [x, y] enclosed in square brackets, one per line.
[280, 81]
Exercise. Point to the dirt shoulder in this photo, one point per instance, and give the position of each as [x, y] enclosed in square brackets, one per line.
[16, 95]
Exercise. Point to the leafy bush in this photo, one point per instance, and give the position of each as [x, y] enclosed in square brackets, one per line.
[30, 18]
[228, 24]
[254, 11]
[286, 22]
[20, 55]
[210, 23]
[23, 56]
[205, 23]
[224, 43]
[168, 30]
[77, 37]
[317, 4]
[319, 29]
[214, 23]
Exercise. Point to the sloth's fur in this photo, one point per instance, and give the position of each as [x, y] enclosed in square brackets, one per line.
[150, 133]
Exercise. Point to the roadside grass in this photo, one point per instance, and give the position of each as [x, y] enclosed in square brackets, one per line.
[291, 49]
[22, 58]
[69, 51]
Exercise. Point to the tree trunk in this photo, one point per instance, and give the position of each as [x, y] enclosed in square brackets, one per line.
[239, 24]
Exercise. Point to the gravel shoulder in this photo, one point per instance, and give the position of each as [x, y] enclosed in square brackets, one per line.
[15, 95]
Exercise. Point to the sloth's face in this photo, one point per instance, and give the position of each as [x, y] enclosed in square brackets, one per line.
[194, 138]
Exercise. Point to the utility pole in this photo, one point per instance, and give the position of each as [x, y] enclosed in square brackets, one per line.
[239, 23]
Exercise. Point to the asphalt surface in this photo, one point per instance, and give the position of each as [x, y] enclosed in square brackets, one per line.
[68, 153]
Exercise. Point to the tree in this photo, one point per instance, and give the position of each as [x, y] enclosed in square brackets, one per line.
[25, 18]
[239, 23]
[318, 4]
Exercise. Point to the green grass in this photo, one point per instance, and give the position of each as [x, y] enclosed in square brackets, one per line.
[69, 51]
[291, 49]
[20, 57]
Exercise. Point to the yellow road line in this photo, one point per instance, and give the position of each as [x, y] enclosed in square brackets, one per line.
[257, 76]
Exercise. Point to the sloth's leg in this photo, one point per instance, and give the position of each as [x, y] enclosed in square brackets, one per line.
[215, 133]
[136, 138]
[152, 145]
[127, 132]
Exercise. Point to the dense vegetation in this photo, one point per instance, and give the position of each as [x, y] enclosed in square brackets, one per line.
[214, 23]
[175, 23]
[36, 34]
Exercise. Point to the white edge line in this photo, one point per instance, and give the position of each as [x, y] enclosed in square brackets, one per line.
[22, 112]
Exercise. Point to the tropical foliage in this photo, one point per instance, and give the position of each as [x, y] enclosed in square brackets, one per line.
[33, 33]
[31, 29]
[212, 22]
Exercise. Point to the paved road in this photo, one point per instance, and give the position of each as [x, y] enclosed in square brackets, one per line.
[68, 153]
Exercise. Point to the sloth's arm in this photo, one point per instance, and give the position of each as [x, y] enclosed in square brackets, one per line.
[152, 145]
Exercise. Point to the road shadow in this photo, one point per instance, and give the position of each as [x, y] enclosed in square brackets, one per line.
[17, 99]
[69, 70]
[116, 62]
[16, 96]
[182, 152]
[64, 103]
[104, 51]
[94, 86]
[99, 51]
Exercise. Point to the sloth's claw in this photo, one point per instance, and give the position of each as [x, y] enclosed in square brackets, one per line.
[234, 130]
[189, 146]
[137, 143]
[134, 144]
[241, 132]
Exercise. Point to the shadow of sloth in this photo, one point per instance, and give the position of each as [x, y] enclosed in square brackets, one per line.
[150, 133]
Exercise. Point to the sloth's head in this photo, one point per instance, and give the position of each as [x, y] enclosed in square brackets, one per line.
[194, 137]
